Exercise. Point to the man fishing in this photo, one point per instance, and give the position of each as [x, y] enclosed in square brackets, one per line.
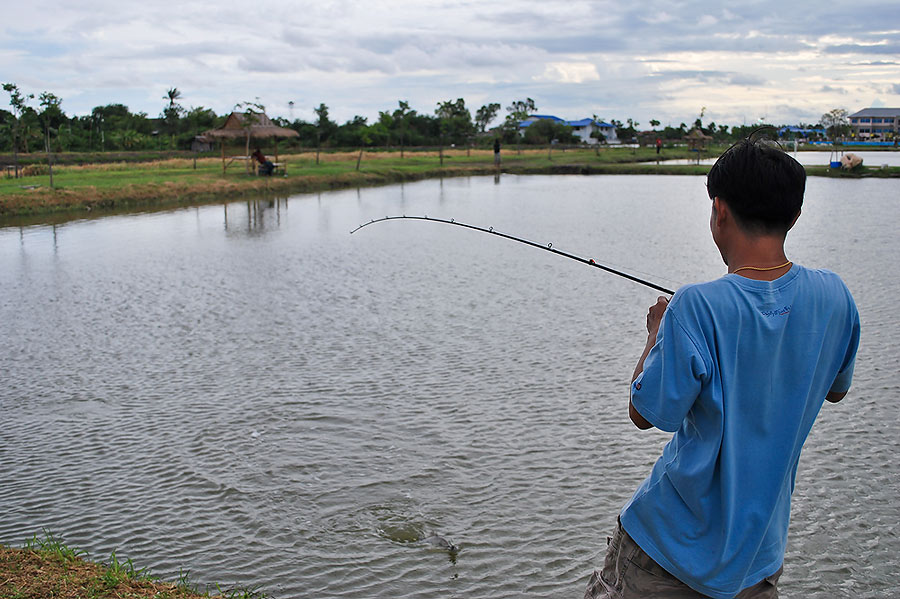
[738, 369]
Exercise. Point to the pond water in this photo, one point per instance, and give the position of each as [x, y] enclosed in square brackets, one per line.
[818, 158]
[249, 392]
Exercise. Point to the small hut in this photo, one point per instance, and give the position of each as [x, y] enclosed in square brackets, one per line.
[697, 140]
[248, 125]
[201, 144]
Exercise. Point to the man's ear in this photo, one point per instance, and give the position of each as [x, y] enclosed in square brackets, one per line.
[721, 210]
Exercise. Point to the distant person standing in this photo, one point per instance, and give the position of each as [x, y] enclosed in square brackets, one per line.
[497, 152]
[658, 145]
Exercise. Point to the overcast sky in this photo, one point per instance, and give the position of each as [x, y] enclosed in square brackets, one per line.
[783, 61]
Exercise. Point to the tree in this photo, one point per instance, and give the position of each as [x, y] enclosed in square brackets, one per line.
[172, 113]
[597, 133]
[486, 114]
[547, 131]
[50, 114]
[836, 122]
[200, 119]
[455, 121]
[699, 122]
[517, 112]
[654, 124]
[252, 112]
[354, 132]
[623, 131]
[401, 118]
[18, 103]
[324, 127]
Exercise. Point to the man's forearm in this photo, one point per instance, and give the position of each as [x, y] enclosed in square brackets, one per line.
[654, 317]
[651, 341]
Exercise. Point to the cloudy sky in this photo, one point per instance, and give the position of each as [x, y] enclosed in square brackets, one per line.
[782, 61]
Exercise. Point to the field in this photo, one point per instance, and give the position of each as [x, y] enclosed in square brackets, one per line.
[125, 184]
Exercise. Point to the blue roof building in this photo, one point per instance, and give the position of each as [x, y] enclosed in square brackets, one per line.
[582, 128]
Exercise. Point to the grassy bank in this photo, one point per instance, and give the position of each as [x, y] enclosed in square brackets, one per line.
[80, 188]
[45, 567]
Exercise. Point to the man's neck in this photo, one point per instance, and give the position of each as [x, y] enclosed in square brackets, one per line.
[763, 254]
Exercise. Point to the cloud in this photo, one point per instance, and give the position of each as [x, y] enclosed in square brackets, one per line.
[711, 76]
[570, 72]
[264, 64]
[876, 63]
[299, 38]
[654, 59]
[864, 49]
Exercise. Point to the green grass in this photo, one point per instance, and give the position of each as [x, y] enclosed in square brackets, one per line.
[118, 175]
[53, 546]
[46, 567]
[121, 186]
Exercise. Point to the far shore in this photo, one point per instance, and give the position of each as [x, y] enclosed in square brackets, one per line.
[96, 188]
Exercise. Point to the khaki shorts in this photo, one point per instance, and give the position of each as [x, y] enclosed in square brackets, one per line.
[629, 573]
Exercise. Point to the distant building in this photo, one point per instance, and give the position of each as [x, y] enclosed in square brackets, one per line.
[581, 129]
[801, 132]
[202, 144]
[875, 123]
[585, 127]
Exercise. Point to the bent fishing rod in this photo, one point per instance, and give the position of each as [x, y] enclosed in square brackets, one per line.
[549, 247]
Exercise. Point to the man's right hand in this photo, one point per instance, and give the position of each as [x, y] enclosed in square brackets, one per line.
[655, 314]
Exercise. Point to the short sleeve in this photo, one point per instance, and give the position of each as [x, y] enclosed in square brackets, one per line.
[844, 377]
[672, 378]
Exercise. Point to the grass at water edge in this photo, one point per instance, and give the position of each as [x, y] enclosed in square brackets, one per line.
[46, 567]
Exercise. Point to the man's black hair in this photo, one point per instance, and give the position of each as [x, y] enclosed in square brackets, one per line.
[761, 184]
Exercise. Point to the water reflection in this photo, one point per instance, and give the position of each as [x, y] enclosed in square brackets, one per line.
[253, 217]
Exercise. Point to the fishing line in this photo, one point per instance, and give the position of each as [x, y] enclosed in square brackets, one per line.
[549, 247]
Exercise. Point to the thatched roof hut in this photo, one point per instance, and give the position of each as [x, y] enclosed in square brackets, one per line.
[247, 125]
[697, 139]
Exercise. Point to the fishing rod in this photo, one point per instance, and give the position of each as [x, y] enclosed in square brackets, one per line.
[549, 247]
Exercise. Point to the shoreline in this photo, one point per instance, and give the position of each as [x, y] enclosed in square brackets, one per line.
[106, 189]
[47, 567]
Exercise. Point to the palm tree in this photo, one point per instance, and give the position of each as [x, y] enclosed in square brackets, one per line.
[172, 112]
[172, 95]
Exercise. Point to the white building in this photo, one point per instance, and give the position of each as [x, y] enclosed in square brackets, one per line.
[585, 127]
[581, 129]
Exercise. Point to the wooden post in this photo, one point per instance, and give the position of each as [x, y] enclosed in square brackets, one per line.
[49, 158]
[247, 153]
[359, 159]
[222, 143]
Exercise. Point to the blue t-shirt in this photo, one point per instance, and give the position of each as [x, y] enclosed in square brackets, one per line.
[739, 372]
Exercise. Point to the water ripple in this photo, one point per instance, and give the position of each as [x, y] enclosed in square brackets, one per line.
[269, 401]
